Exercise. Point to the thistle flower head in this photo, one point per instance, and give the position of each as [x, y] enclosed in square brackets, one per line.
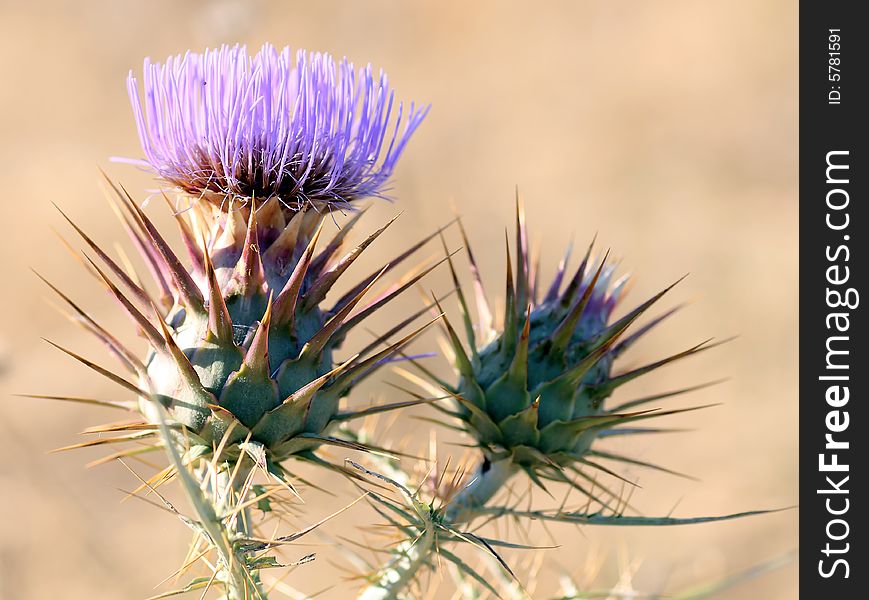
[310, 131]
[241, 338]
[533, 388]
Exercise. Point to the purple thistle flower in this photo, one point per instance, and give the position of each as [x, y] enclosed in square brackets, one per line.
[223, 124]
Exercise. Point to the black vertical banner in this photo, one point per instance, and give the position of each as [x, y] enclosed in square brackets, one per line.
[834, 418]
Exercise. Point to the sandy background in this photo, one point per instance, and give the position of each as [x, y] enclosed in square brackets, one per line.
[667, 127]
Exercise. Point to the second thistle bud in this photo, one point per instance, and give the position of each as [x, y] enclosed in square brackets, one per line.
[534, 390]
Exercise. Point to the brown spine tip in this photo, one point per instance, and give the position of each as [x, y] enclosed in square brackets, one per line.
[102, 371]
[188, 292]
[257, 357]
[510, 324]
[193, 250]
[149, 254]
[522, 267]
[337, 242]
[319, 340]
[562, 334]
[219, 320]
[466, 313]
[392, 264]
[555, 287]
[282, 250]
[576, 280]
[249, 273]
[386, 297]
[519, 365]
[285, 303]
[145, 326]
[137, 291]
[324, 282]
[484, 312]
[127, 358]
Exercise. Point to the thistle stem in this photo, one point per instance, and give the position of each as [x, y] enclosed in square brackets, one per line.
[489, 479]
[211, 493]
[414, 554]
[242, 583]
[401, 571]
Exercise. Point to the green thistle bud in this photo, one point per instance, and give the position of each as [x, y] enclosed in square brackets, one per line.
[533, 389]
[242, 350]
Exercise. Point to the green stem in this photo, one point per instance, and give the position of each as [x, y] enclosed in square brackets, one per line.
[401, 571]
[242, 583]
[398, 574]
[211, 495]
[489, 479]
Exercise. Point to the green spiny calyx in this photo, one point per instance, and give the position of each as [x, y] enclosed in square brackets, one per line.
[241, 342]
[532, 391]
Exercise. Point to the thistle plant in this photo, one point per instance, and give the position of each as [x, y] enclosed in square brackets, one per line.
[259, 156]
[241, 376]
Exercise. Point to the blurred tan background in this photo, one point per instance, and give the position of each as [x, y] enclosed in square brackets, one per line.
[667, 127]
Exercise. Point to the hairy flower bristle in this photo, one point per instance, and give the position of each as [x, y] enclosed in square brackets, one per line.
[311, 131]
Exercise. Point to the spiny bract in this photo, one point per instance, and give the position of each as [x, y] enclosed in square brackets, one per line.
[533, 391]
[241, 348]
